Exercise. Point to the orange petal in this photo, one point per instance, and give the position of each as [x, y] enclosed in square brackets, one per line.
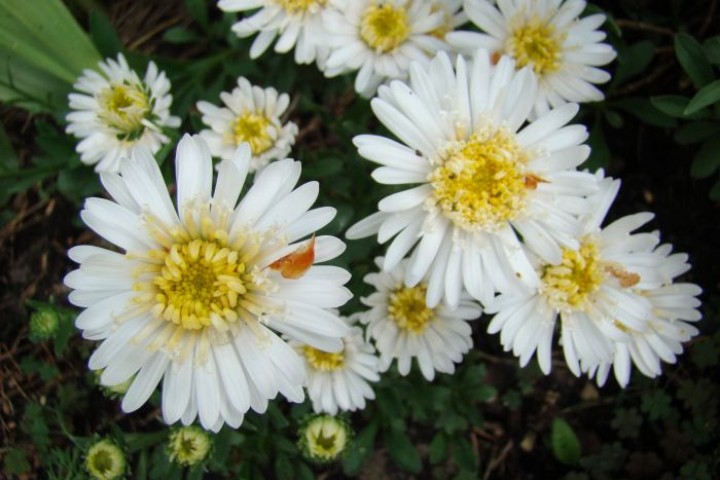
[295, 264]
[532, 180]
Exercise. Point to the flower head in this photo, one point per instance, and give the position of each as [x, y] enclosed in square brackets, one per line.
[116, 112]
[189, 446]
[404, 327]
[323, 438]
[297, 22]
[548, 37]
[252, 115]
[198, 292]
[483, 179]
[44, 324]
[614, 298]
[105, 460]
[379, 38]
[339, 381]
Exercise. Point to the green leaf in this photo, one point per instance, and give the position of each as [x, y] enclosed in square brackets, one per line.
[198, 10]
[179, 35]
[8, 157]
[359, 450]
[403, 452]
[715, 191]
[599, 151]
[692, 58]
[103, 34]
[643, 109]
[464, 455]
[16, 462]
[633, 60]
[284, 467]
[438, 448]
[707, 95]
[696, 132]
[675, 105]
[656, 404]
[565, 444]
[707, 159]
[712, 49]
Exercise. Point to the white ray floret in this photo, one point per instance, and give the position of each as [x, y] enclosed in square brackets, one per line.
[546, 35]
[404, 327]
[294, 23]
[483, 178]
[116, 112]
[603, 295]
[339, 382]
[200, 292]
[251, 114]
[379, 38]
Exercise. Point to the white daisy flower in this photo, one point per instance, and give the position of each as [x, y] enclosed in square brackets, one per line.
[380, 38]
[483, 179]
[339, 381]
[602, 294]
[547, 36]
[199, 292]
[673, 305]
[298, 23]
[404, 327]
[117, 112]
[253, 116]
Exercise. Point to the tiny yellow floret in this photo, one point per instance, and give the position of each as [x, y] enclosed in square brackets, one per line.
[384, 27]
[324, 361]
[569, 285]
[124, 107]
[299, 6]
[408, 309]
[536, 43]
[252, 127]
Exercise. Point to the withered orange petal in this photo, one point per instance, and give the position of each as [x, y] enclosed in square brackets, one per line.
[295, 264]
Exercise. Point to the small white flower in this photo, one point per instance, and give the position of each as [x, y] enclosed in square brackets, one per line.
[253, 116]
[298, 23]
[339, 381]
[673, 305]
[613, 297]
[483, 178]
[380, 38]
[404, 327]
[117, 112]
[199, 291]
[547, 36]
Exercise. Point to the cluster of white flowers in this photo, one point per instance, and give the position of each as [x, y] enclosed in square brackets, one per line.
[221, 297]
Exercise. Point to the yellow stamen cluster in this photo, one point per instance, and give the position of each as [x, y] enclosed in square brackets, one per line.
[198, 279]
[569, 285]
[105, 461]
[189, 446]
[384, 27]
[324, 361]
[123, 107]
[408, 309]
[299, 6]
[481, 184]
[252, 127]
[536, 43]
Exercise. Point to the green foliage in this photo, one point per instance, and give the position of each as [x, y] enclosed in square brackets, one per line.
[565, 444]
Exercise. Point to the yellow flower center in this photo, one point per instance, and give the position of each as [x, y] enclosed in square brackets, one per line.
[325, 438]
[299, 6]
[189, 445]
[408, 309]
[482, 183]
[123, 107]
[252, 128]
[324, 361]
[384, 27]
[536, 43]
[568, 286]
[105, 461]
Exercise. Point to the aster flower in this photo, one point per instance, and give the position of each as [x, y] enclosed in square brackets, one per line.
[116, 112]
[298, 23]
[253, 116]
[380, 38]
[323, 438]
[339, 381]
[547, 36]
[482, 179]
[198, 293]
[673, 305]
[105, 461]
[603, 293]
[404, 327]
[189, 446]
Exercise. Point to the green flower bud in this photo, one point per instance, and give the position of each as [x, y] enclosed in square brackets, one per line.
[43, 325]
[189, 446]
[105, 461]
[323, 438]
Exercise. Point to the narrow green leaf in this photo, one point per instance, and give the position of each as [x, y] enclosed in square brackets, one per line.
[633, 60]
[643, 109]
[198, 10]
[673, 105]
[179, 35]
[715, 191]
[599, 151]
[359, 449]
[707, 159]
[692, 58]
[103, 34]
[565, 444]
[284, 467]
[438, 448]
[464, 455]
[8, 157]
[712, 49]
[696, 132]
[403, 452]
[707, 95]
